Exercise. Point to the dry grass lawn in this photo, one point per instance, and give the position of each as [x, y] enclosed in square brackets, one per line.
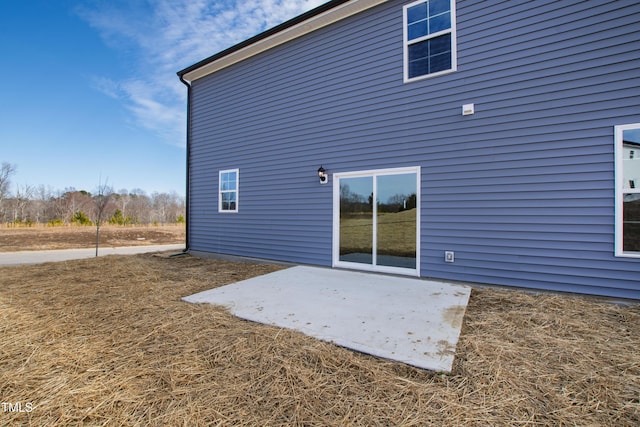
[396, 234]
[107, 341]
[70, 237]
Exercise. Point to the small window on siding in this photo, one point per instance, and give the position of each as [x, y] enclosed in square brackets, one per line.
[627, 139]
[429, 39]
[228, 191]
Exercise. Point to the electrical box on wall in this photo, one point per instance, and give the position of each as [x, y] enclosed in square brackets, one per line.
[468, 109]
[449, 256]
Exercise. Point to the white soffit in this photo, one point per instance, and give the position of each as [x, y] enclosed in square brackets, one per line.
[322, 20]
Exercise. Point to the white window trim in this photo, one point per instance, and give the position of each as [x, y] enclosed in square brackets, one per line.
[620, 190]
[336, 221]
[220, 191]
[405, 44]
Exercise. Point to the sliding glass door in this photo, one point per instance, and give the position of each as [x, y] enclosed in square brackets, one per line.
[376, 220]
[356, 220]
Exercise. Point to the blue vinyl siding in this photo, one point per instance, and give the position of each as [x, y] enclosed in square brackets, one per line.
[522, 191]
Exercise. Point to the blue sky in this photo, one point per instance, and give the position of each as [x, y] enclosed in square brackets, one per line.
[89, 92]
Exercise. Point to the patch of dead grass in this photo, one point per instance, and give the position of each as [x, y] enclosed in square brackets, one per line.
[40, 237]
[107, 341]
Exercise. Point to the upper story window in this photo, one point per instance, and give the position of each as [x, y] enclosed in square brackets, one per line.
[627, 138]
[228, 193]
[429, 38]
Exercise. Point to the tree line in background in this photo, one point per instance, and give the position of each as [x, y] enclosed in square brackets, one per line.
[28, 205]
[352, 202]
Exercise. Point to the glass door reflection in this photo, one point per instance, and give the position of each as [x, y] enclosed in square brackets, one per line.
[356, 220]
[396, 203]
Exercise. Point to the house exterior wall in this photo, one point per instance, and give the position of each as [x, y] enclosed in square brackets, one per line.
[522, 191]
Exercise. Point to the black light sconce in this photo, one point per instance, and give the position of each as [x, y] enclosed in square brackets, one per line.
[322, 174]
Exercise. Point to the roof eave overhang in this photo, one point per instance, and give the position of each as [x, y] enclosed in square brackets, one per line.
[315, 19]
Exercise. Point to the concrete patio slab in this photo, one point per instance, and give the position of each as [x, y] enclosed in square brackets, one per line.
[410, 320]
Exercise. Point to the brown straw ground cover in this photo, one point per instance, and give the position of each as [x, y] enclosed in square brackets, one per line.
[41, 237]
[107, 341]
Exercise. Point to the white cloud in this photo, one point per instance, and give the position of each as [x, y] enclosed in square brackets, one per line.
[160, 37]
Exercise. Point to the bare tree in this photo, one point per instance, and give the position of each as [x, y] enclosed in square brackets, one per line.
[6, 170]
[160, 205]
[39, 204]
[75, 201]
[21, 201]
[167, 207]
[56, 206]
[140, 206]
[103, 196]
[123, 199]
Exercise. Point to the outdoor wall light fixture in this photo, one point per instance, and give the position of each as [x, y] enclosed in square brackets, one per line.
[322, 174]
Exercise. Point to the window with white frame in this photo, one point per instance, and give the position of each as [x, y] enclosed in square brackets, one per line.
[228, 190]
[429, 38]
[627, 139]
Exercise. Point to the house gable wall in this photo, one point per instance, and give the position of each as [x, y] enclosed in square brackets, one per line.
[522, 190]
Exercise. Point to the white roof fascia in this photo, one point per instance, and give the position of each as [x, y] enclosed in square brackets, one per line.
[322, 20]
